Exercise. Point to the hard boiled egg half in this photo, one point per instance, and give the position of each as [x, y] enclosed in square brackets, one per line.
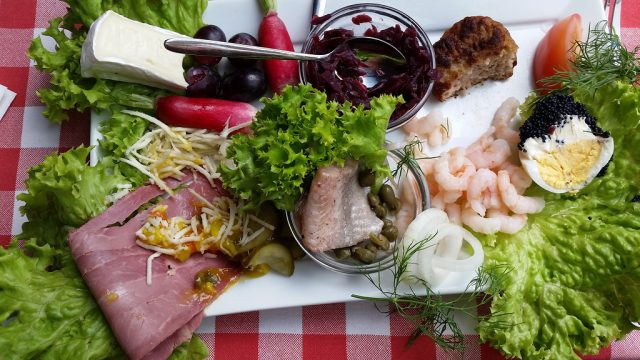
[568, 157]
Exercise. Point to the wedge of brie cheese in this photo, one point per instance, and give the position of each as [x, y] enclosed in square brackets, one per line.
[119, 48]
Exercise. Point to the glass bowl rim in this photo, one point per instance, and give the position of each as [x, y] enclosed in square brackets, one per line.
[384, 263]
[396, 15]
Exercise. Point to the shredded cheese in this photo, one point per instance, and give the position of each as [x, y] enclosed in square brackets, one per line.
[168, 151]
[150, 266]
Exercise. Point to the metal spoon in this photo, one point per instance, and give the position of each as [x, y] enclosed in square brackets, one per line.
[382, 59]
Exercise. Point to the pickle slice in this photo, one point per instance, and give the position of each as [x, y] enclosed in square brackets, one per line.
[277, 256]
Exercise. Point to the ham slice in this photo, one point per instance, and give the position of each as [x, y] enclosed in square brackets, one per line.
[149, 321]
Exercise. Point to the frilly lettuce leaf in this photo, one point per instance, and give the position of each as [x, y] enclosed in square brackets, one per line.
[296, 133]
[120, 132]
[576, 276]
[194, 349]
[183, 16]
[68, 89]
[47, 311]
[64, 191]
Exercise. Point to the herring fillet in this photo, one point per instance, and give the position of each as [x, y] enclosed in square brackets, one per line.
[336, 212]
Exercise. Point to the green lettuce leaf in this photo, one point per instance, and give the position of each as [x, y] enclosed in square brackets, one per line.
[576, 276]
[64, 191]
[299, 131]
[47, 311]
[120, 132]
[68, 89]
[194, 349]
[183, 16]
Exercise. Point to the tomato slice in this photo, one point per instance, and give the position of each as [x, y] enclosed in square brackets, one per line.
[554, 50]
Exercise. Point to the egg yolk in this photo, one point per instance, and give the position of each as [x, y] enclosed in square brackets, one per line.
[569, 165]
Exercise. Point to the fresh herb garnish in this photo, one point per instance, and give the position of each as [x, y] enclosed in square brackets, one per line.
[408, 157]
[430, 313]
[599, 60]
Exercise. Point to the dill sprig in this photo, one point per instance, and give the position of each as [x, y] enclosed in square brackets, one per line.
[599, 60]
[430, 313]
[408, 157]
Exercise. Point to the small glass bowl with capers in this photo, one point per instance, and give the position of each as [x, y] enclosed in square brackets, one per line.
[397, 204]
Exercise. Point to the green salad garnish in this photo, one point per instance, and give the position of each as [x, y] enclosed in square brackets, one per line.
[576, 265]
[68, 90]
[298, 132]
[46, 310]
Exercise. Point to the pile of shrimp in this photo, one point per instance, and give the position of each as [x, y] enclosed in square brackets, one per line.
[432, 129]
[482, 186]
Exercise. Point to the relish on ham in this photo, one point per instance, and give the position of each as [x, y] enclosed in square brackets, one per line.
[148, 321]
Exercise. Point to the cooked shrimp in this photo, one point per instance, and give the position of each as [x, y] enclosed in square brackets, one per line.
[457, 158]
[509, 224]
[482, 192]
[413, 126]
[442, 198]
[519, 178]
[405, 214]
[506, 112]
[450, 197]
[512, 137]
[517, 203]
[453, 179]
[503, 121]
[453, 211]
[430, 127]
[436, 138]
[437, 201]
[478, 223]
[491, 156]
[483, 142]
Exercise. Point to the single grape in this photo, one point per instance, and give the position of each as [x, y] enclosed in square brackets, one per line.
[209, 32]
[203, 81]
[244, 39]
[244, 85]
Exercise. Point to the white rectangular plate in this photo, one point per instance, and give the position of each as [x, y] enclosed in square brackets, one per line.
[469, 115]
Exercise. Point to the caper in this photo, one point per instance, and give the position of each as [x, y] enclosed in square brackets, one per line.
[380, 211]
[390, 232]
[374, 200]
[388, 196]
[380, 240]
[371, 246]
[342, 253]
[365, 255]
[366, 178]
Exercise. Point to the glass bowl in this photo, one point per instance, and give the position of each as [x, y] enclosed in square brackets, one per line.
[382, 17]
[415, 198]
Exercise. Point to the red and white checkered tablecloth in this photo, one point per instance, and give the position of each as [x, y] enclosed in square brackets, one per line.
[338, 331]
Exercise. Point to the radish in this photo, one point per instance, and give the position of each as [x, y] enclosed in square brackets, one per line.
[273, 34]
[205, 113]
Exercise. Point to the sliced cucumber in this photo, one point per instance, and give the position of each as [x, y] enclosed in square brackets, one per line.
[277, 256]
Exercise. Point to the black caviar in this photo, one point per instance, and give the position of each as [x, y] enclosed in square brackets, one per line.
[412, 81]
[550, 113]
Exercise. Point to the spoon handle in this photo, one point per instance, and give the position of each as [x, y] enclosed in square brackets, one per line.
[318, 7]
[225, 49]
